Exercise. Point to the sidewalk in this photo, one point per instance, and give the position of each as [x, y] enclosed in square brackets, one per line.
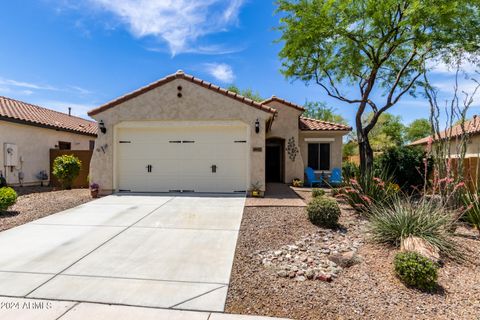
[35, 309]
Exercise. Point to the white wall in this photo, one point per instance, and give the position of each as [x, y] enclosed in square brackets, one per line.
[33, 145]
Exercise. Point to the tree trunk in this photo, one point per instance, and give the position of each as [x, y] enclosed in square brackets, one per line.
[365, 152]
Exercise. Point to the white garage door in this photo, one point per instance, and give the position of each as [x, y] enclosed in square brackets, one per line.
[198, 158]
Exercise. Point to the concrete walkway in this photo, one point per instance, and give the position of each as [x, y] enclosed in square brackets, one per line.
[158, 251]
[277, 195]
[35, 309]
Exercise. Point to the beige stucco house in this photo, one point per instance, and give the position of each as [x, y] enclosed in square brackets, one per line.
[181, 133]
[28, 132]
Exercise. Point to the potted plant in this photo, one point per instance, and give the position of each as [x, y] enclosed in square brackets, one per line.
[94, 190]
[297, 182]
[256, 189]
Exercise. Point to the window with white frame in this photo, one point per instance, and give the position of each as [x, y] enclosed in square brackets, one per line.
[319, 156]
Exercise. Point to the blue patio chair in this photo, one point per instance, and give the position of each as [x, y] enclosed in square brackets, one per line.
[311, 178]
[336, 176]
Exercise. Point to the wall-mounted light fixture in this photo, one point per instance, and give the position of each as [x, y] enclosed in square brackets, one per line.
[101, 126]
[257, 126]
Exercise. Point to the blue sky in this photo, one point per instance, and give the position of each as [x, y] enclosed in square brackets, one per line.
[60, 54]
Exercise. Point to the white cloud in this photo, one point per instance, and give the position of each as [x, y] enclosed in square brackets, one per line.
[177, 22]
[78, 109]
[26, 85]
[469, 65]
[220, 71]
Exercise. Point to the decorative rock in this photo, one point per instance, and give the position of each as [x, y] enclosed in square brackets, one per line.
[345, 260]
[324, 277]
[282, 274]
[314, 257]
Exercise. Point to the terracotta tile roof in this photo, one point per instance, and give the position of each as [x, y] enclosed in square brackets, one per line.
[22, 112]
[471, 127]
[285, 102]
[181, 75]
[308, 124]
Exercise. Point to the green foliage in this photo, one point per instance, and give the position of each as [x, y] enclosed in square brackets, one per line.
[367, 190]
[248, 93]
[425, 218]
[387, 133]
[350, 170]
[66, 168]
[316, 192]
[415, 270]
[8, 197]
[350, 148]
[324, 212]
[471, 200]
[320, 111]
[418, 129]
[406, 165]
[380, 48]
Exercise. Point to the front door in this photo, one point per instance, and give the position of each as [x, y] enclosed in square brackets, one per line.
[273, 163]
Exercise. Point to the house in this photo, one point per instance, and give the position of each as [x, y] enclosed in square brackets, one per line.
[454, 135]
[181, 133]
[28, 132]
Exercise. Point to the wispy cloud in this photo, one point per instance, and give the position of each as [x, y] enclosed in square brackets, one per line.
[179, 23]
[220, 71]
[28, 85]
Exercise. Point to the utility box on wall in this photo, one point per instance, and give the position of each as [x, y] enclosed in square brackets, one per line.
[10, 152]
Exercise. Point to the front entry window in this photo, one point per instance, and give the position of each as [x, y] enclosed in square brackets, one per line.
[319, 156]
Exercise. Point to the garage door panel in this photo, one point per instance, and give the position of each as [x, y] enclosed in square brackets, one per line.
[182, 166]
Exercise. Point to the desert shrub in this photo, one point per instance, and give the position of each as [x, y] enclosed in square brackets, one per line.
[471, 201]
[350, 170]
[367, 190]
[324, 212]
[406, 165]
[425, 218]
[66, 168]
[316, 192]
[8, 197]
[416, 270]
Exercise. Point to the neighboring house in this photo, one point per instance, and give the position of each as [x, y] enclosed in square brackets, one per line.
[453, 134]
[28, 132]
[184, 134]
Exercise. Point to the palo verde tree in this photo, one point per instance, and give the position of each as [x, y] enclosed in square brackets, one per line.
[376, 49]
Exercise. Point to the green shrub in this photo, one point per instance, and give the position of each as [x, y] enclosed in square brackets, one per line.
[405, 165]
[8, 197]
[425, 218]
[350, 170]
[368, 190]
[415, 270]
[323, 211]
[316, 192]
[66, 168]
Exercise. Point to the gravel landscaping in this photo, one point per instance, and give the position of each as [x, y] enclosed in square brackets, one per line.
[366, 288]
[37, 202]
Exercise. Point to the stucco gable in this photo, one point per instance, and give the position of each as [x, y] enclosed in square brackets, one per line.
[181, 75]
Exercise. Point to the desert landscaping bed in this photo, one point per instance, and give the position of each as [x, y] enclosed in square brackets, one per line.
[368, 289]
[37, 202]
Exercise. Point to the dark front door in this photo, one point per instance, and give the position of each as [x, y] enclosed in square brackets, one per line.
[273, 163]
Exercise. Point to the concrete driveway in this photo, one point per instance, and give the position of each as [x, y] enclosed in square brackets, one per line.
[162, 251]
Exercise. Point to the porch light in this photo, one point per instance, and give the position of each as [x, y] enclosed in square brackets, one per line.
[257, 126]
[101, 126]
